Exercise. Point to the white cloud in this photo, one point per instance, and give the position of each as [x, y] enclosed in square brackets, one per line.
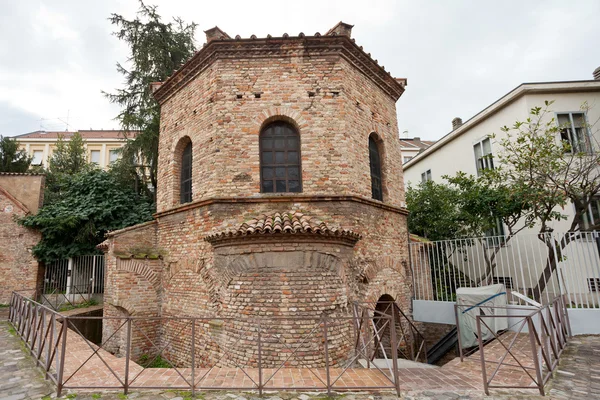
[458, 56]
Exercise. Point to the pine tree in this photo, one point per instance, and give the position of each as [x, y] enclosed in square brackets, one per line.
[11, 158]
[157, 49]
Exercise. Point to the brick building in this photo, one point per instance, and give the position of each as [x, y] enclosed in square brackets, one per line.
[20, 195]
[280, 195]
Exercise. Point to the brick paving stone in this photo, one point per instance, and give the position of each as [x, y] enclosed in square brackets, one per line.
[578, 374]
[19, 377]
[577, 377]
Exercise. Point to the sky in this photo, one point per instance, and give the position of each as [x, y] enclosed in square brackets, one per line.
[57, 56]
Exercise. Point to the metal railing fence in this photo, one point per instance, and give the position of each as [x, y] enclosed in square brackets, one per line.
[65, 354]
[547, 331]
[540, 266]
[83, 272]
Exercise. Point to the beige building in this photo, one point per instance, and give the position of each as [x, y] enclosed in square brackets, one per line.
[101, 146]
[411, 147]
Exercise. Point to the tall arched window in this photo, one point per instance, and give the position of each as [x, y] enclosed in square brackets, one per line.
[185, 175]
[280, 169]
[375, 164]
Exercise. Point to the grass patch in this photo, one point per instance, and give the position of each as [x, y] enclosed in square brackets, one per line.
[147, 361]
[96, 396]
[85, 304]
[4, 305]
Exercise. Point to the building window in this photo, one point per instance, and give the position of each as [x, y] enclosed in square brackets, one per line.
[186, 175]
[590, 219]
[38, 155]
[594, 284]
[280, 169]
[495, 236]
[573, 132]
[407, 159]
[113, 156]
[95, 156]
[483, 155]
[375, 166]
[426, 176]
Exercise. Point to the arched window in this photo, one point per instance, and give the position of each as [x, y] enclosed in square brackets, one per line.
[186, 175]
[280, 169]
[375, 164]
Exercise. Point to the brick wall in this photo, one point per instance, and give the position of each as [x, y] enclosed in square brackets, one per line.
[18, 268]
[222, 108]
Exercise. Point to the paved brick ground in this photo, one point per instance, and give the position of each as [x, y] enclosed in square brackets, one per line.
[578, 376]
[19, 379]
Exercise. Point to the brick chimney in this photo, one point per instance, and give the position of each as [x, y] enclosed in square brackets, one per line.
[341, 29]
[456, 122]
[596, 74]
[215, 34]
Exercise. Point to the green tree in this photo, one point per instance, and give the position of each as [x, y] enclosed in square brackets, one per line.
[551, 173]
[11, 158]
[69, 156]
[157, 49]
[93, 203]
[468, 207]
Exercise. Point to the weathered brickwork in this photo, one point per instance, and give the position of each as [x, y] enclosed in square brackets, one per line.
[336, 96]
[20, 194]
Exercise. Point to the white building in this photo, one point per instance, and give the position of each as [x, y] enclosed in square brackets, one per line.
[465, 148]
[521, 262]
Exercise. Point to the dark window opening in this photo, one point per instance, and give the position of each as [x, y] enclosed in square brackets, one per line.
[573, 133]
[280, 169]
[594, 284]
[507, 281]
[186, 175]
[375, 164]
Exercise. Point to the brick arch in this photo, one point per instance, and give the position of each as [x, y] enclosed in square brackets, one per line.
[391, 282]
[141, 269]
[280, 114]
[124, 307]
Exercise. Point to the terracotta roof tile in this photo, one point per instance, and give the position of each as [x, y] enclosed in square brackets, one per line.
[283, 223]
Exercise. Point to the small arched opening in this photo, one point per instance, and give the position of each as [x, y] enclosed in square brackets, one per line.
[384, 310]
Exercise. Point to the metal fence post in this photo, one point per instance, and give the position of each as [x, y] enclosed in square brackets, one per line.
[483, 370]
[260, 380]
[127, 355]
[193, 380]
[61, 366]
[52, 324]
[326, 356]
[394, 346]
[534, 353]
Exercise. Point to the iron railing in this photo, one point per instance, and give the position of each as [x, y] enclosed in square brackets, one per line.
[63, 276]
[258, 355]
[546, 329]
[539, 266]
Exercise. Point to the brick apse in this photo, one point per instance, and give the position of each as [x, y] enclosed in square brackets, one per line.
[280, 195]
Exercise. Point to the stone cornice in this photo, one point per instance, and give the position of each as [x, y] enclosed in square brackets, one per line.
[280, 240]
[276, 47]
[282, 199]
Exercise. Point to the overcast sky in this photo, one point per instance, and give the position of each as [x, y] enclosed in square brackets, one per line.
[56, 56]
